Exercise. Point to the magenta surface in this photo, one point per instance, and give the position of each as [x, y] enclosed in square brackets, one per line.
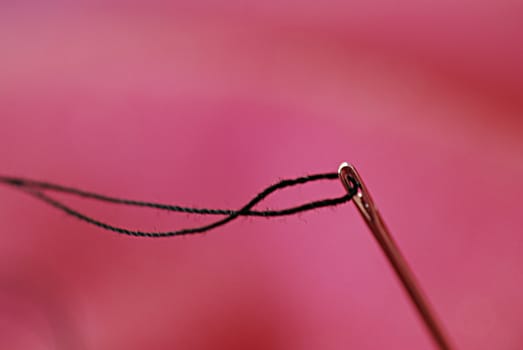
[207, 103]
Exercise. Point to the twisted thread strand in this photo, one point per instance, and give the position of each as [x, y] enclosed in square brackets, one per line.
[37, 188]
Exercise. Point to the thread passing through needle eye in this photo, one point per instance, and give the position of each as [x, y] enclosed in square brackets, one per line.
[37, 189]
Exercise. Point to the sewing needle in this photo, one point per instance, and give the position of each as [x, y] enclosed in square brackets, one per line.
[363, 201]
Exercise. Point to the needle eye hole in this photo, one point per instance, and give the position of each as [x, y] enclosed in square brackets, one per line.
[349, 178]
[352, 184]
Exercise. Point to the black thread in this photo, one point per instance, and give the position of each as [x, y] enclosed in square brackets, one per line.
[31, 186]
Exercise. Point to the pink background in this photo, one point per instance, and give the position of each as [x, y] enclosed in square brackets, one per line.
[205, 104]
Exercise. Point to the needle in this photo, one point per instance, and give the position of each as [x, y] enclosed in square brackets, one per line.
[349, 177]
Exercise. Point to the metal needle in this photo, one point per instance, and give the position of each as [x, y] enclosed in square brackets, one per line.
[349, 177]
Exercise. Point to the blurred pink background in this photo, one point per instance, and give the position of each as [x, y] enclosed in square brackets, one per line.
[205, 104]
